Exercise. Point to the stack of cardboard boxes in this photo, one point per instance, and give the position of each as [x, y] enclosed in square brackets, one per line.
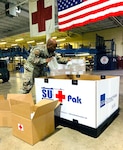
[30, 122]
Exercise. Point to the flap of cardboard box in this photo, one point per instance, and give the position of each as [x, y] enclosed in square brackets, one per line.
[21, 97]
[21, 108]
[45, 106]
[2, 97]
[4, 105]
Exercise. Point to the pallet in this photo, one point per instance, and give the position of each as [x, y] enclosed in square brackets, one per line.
[93, 132]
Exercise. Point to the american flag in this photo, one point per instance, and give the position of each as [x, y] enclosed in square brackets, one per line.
[76, 13]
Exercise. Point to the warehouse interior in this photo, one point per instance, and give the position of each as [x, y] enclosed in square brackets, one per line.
[15, 36]
[92, 43]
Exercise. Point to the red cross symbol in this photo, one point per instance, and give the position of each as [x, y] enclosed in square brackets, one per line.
[60, 96]
[41, 15]
[20, 127]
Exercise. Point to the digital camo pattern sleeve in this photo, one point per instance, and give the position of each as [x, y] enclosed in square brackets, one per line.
[37, 56]
[62, 60]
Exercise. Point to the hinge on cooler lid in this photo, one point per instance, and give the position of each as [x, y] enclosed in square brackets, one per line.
[74, 82]
[78, 75]
[102, 76]
[46, 80]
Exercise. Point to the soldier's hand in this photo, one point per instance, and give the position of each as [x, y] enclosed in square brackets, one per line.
[49, 59]
[69, 59]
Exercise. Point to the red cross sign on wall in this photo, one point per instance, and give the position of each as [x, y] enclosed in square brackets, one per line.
[41, 15]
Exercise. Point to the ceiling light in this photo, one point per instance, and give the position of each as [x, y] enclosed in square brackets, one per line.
[14, 44]
[60, 40]
[2, 43]
[82, 54]
[30, 42]
[54, 37]
[40, 43]
[18, 40]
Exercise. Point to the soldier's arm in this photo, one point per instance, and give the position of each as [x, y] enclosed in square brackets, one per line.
[38, 57]
[34, 57]
[63, 60]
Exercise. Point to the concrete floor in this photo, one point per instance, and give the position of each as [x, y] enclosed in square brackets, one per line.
[65, 138]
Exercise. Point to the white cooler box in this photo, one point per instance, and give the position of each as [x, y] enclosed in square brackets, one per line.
[89, 99]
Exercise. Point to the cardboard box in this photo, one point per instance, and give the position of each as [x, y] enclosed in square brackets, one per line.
[5, 113]
[5, 107]
[86, 99]
[2, 97]
[33, 123]
[10, 66]
[21, 97]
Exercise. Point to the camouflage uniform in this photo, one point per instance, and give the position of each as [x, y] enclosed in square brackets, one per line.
[34, 67]
[62, 60]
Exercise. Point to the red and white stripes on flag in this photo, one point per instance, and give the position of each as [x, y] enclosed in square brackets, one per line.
[76, 13]
[42, 17]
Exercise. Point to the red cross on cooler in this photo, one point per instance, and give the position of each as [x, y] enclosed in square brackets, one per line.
[60, 96]
[20, 127]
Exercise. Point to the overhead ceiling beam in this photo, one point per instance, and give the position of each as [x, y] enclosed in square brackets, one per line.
[118, 21]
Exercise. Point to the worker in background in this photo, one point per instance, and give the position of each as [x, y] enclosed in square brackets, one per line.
[35, 64]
